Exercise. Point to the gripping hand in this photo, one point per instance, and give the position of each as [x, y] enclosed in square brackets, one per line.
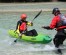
[46, 27]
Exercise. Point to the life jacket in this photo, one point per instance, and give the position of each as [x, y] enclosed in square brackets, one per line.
[23, 26]
[62, 21]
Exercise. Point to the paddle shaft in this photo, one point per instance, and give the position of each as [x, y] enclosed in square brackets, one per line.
[18, 38]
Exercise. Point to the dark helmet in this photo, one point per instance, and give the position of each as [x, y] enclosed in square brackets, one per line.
[56, 10]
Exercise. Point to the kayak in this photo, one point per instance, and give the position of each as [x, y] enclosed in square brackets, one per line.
[40, 38]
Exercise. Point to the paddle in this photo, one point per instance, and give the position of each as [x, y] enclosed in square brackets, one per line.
[32, 21]
[17, 38]
[37, 15]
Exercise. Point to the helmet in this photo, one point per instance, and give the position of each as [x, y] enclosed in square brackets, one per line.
[56, 10]
[23, 16]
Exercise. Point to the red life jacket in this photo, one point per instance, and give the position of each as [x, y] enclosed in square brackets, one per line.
[58, 22]
[23, 26]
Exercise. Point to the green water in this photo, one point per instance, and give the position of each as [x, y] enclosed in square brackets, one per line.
[8, 21]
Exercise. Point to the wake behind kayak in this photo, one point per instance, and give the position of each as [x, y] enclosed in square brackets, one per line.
[40, 38]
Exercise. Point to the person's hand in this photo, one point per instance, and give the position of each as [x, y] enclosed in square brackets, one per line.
[42, 26]
[31, 23]
[46, 27]
[19, 34]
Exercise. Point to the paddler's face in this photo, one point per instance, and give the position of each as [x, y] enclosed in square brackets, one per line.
[24, 19]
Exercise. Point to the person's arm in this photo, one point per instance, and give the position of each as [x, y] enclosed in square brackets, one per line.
[17, 26]
[29, 23]
[52, 24]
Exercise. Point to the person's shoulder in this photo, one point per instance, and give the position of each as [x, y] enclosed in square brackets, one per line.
[19, 21]
[56, 16]
[26, 21]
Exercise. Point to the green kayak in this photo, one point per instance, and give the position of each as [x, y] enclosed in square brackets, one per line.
[40, 38]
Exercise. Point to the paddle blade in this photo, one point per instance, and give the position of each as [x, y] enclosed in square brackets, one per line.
[15, 40]
[37, 15]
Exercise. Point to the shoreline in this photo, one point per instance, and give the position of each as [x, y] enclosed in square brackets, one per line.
[30, 10]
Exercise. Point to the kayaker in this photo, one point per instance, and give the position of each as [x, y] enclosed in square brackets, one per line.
[59, 23]
[21, 27]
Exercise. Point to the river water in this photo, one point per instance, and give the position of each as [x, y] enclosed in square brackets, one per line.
[8, 47]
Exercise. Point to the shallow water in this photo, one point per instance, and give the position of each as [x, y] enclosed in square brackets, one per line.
[8, 47]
